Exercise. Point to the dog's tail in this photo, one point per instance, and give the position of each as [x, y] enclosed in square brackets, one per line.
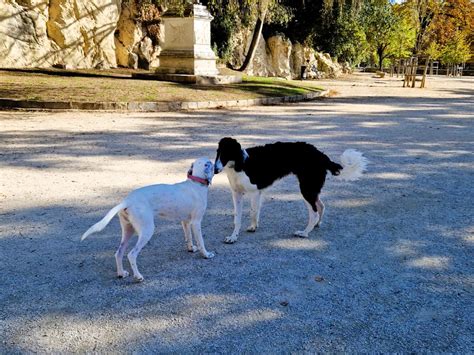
[353, 165]
[104, 221]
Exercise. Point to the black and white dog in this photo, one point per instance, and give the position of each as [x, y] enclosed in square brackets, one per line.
[254, 169]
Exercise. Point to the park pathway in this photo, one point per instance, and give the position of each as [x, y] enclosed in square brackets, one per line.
[390, 269]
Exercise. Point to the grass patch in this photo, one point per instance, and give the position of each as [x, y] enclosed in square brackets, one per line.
[42, 87]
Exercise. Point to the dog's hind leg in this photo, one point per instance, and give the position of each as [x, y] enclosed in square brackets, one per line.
[238, 198]
[145, 226]
[320, 208]
[255, 206]
[127, 232]
[312, 221]
[196, 227]
[188, 237]
[310, 191]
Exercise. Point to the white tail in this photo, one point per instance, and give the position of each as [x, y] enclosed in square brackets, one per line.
[354, 164]
[104, 221]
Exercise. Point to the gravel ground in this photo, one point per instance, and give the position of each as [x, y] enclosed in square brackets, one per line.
[390, 270]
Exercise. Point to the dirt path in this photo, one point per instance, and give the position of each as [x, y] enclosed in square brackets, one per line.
[391, 269]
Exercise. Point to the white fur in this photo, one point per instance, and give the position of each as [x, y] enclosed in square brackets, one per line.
[354, 164]
[185, 201]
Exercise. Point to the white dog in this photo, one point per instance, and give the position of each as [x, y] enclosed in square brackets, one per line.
[185, 201]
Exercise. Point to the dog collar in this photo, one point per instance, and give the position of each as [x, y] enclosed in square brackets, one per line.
[198, 179]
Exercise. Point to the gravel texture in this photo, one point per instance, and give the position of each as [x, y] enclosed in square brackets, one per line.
[390, 270]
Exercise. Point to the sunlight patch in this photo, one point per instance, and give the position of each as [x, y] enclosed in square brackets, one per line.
[377, 124]
[353, 202]
[430, 262]
[299, 244]
[392, 176]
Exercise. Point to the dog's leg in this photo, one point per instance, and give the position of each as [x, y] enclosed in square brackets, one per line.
[127, 232]
[188, 237]
[237, 197]
[196, 227]
[312, 221]
[145, 226]
[255, 206]
[320, 208]
[310, 186]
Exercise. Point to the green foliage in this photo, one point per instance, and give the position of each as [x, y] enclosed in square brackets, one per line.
[230, 17]
[403, 38]
[348, 40]
[279, 14]
[457, 51]
[433, 50]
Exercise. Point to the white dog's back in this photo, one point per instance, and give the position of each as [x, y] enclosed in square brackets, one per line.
[173, 202]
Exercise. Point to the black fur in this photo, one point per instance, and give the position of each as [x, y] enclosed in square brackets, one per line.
[268, 163]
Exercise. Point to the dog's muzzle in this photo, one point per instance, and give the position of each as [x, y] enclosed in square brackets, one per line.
[218, 167]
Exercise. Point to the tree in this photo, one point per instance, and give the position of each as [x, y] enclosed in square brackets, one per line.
[456, 51]
[268, 11]
[433, 50]
[347, 41]
[230, 16]
[454, 16]
[422, 13]
[262, 12]
[403, 39]
[380, 23]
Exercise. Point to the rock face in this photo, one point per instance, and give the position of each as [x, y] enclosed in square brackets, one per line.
[261, 65]
[72, 33]
[23, 35]
[134, 48]
[277, 56]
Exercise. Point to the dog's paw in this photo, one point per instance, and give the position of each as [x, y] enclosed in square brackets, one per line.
[193, 249]
[301, 234]
[251, 229]
[230, 240]
[209, 255]
[123, 274]
[138, 278]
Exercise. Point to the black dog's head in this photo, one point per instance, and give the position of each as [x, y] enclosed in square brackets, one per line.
[229, 150]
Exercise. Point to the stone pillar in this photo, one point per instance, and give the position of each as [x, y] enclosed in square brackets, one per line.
[187, 43]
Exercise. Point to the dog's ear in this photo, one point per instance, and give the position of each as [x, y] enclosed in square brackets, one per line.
[190, 171]
[239, 162]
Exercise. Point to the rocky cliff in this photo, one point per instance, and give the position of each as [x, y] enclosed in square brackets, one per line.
[73, 33]
[277, 56]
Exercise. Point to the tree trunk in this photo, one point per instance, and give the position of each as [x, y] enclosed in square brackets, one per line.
[253, 45]
[380, 51]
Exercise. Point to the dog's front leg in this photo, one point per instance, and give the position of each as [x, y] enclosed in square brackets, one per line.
[238, 199]
[188, 237]
[196, 227]
[255, 206]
